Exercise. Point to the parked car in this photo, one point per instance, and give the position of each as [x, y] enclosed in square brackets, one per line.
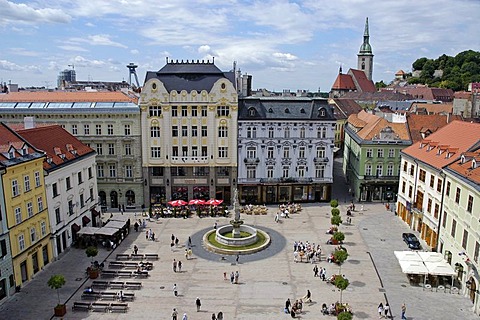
[411, 240]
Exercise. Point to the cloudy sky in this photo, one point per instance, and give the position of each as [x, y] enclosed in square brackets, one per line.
[296, 44]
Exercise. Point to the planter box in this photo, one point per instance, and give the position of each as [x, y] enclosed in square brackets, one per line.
[60, 310]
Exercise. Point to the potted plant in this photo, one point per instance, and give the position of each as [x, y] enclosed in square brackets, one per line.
[56, 282]
[92, 270]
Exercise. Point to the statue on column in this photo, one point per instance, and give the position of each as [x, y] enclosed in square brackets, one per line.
[236, 205]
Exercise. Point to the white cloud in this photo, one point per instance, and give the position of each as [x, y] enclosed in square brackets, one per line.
[10, 66]
[24, 52]
[134, 51]
[204, 49]
[73, 48]
[15, 13]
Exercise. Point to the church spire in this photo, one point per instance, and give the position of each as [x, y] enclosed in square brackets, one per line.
[365, 47]
[365, 55]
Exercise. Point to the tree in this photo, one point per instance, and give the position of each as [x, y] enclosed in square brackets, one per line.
[380, 84]
[418, 64]
[340, 256]
[338, 236]
[91, 252]
[336, 220]
[334, 203]
[344, 316]
[56, 282]
[342, 284]
[335, 212]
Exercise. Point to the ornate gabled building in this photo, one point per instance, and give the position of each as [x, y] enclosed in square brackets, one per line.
[108, 122]
[285, 147]
[189, 132]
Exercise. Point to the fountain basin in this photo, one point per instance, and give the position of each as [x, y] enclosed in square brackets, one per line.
[262, 241]
[236, 241]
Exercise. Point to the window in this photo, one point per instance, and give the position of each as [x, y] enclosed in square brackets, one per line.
[40, 204]
[379, 171]
[21, 242]
[155, 152]
[30, 209]
[68, 183]
[37, 179]
[128, 171]
[270, 151]
[112, 170]
[175, 131]
[412, 169]
[457, 195]
[57, 215]
[251, 132]
[70, 207]
[437, 210]
[270, 172]
[80, 178]
[111, 148]
[301, 171]
[286, 133]
[204, 111]
[222, 132]
[251, 152]
[369, 153]
[110, 129]
[100, 171]
[194, 111]
[285, 172]
[18, 215]
[405, 165]
[223, 111]
[15, 188]
[155, 111]
[404, 185]
[422, 175]
[320, 171]
[204, 131]
[3, 248]
[184, 111]
[477, 249]
[391, 154]
[127, 130]
[184, 151]
[470, 203]
[454, 228]
[91, 195]
[320, 152]
[465, 239]
[204, 151]
[390, 169]
[26, 183]
[54, 190]
[98, 129]
[271, 132]
[175, 151]
[439, 185]
[286, 152]
[86, 129]
[380, 153]
[128, 149]
[251, 172]
[43, 228]
[33, 234]
[194, 131]
[155, 132]
[429, 205]
[432, 181]
[323, 133]
[174, 111]
[447, 190]
[184, 131]
[194, 151]
[302, 133]
[301, 152]
[410, 191]
[74, 129]
[99, 149]
[223, 152]
[368, 169]
[444, 222]
[82, 201]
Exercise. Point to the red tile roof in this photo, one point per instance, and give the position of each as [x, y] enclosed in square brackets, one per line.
[432, 108]
[468, 166]
[426, 124]
[361, 81]
[343, 82]
[370, 125]
[445, 145]
[9, 140]
[60, 146]
[345, 107]
[67, 96]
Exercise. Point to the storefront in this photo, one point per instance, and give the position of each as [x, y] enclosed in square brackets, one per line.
[376, 192]
[281, 193]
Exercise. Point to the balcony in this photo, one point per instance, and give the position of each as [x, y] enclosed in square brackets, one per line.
[320, 159]
[251, 160]
[188, 160]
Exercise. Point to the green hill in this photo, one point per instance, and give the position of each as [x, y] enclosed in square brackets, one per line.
[458, 71]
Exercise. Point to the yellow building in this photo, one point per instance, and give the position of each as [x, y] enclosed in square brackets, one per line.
[26, 205]
[342, 109]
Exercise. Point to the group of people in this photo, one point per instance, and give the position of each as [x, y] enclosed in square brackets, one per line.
[307, 251]
[297, 307]
[150, 235]
[140, 224]
[383, 310]
[320, 272]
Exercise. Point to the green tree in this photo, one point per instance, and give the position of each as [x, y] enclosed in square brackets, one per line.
[334, 203]
[380, 84]
[344, 316]
[418, 64]
[338, 236]
[336, 220]
[340, 256]
[56, 282]
[91, 252]
[342, 284]
[335, 212]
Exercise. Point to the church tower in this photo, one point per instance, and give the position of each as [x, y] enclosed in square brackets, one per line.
[365, 55]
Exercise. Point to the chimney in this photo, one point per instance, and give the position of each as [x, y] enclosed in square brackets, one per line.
[29, 122]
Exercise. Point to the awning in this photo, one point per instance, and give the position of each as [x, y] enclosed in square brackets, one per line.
[116, 224]
[95, 212]
[440, 268]
[85, 220]
[105, 231]
[76, 227]
[88, 231]
[418, 262]
[413, 267]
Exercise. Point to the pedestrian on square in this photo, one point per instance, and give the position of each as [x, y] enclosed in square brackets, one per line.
[404, 309]
[189, 242]
[214, 317]
[232, 277]
[153, 236]
[174, 314]
[190, 253]
[179, 266]
[324, 274]
[172, 237]
[315, 271]
[184, 317]
[147, 234]
[225, 276]
[175, 290]
[174, 265]
[198, 303]
[386, 308]
[186, 254]
[135, 249]
[176, 242]
[287, 305]
[171, 245]
[237, 275]
[236, 258]
[380, 310]
[220, 316]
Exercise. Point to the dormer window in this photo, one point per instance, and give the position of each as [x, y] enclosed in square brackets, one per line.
[251, 112]
[61, 155]
[321, 112]
[49, 160]
[302, 110]
[270, 110]
[474, 164]
[287, 110]
[462, 159]
[57, 150]
[11, 154]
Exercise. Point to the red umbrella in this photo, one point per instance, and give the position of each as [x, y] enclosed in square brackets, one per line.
[196, 202]
[214, 202]
[177, 203]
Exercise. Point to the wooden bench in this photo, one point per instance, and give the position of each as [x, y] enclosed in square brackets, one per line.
[112, 296]
[137, 256]
[130, 265]
[108, 274]
[100, 307]
[133, 285]
[141, 274]
[119, 307]
[100, 284]
[90, 296]
[151, 256]
[115, 265]
[81, 306]
[123, 256]
[124, 274]
[128, 296]
[116, 285]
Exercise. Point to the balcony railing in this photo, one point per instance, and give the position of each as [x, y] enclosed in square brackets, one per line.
[251, 160]
[320, 159]
[190, 160]
[384, 178]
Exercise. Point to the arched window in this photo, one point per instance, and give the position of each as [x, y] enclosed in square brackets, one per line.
[302, 133]
[130, 197]
[321, 112]
[287, 133]
[249, 132]
[251, 112]
[103, 198]
[271, 132]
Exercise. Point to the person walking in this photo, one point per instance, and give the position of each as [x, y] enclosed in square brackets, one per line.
[135, 249]
[232, 277]
[176, 242]
[189, 242]
[214, 317]
[237, 258]
[184, 317]
[175, 290]
[237, 275]
[380, 310]
[179, 266]
[404, 309]
[198, 303]
[386, 308]
[315, 271]
[174, 314]
[287, 305]
[174, 265]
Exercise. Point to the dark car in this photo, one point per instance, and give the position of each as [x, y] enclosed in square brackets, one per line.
[411, 240]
